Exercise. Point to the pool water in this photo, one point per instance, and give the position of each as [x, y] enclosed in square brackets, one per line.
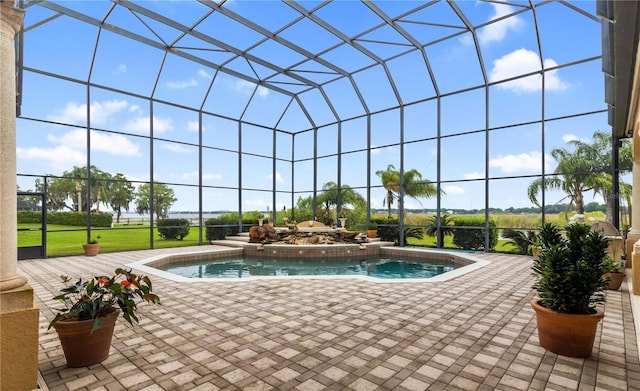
[243, 267]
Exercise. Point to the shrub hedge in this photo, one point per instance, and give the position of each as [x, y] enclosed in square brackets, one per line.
[173, 228]
[218, 228]
[76, 219]
[472, 238]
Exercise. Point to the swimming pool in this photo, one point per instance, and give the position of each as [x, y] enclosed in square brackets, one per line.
[447, 264]
[376, 267]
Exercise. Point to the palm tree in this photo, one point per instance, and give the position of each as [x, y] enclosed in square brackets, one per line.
[412, 183]
[587, 168]
[445, 228]
[573, 176]
[600, 152]
[329, 198]
[521, 240]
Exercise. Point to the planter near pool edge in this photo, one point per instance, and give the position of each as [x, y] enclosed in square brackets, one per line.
[81, 346]
[570, 335]
[91, 249]
[615, 280]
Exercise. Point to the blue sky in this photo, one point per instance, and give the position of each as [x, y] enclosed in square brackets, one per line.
[121, 121]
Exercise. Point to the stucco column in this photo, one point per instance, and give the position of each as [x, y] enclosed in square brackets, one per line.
[18, 315]
[635, 270]
[10, 22]
[634, 231]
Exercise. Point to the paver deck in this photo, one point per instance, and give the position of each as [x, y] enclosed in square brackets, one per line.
[475, 332]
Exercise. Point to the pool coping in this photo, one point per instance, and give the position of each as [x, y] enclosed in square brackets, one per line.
[474, 263]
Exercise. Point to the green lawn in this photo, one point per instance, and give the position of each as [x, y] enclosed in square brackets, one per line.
[503, 246]
[64, 240]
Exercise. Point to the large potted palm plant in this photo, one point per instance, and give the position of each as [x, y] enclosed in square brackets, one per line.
[570, 285]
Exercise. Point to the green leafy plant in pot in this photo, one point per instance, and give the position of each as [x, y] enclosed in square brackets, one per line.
[92, 247]
[85, 326]
[614, 273]
[570, 284]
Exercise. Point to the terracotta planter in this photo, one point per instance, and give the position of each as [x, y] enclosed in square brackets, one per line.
[81, 346]
[372, 233]
[569, 335]
[615, 280]
[91, 250]
[536, 253]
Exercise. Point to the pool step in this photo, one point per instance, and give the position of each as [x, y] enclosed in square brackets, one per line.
[229, 243]
[239, 237]
[244, 237]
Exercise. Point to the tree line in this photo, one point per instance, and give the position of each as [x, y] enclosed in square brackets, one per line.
[70, 192]
[586, 167]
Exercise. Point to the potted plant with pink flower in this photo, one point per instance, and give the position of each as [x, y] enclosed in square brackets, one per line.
[85, 326]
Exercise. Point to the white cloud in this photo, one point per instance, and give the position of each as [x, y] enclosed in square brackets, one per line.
[122, 68]
[205, 74]
[520, 62]
[189, 175]
[138, 125]
[279, 178]
[263, 92]
[473, 175]
[58, 158]
[572, 137]
[100, 112]
[175, 148]
[247, 88]
[194, 174]
[212, 176]
[161, 125]
[453, 190]
[113, 144]
[495, 32]
[69, 149]
[193, 126]
[178, 85]
[141, 125]
[528, 162]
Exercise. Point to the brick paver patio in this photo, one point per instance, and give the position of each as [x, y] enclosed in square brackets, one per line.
[475, 332]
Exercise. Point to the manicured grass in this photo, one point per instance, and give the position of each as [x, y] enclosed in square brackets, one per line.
[65, 240]
[503, 246]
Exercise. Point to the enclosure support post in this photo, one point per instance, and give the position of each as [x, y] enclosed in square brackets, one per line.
[18, 316]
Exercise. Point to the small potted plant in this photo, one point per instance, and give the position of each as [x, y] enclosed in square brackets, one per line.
[372, 230]
[570, 284]
[613, 273]
[92, 247]
[85, 325]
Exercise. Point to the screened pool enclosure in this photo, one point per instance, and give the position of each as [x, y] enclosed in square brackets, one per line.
[246, 106]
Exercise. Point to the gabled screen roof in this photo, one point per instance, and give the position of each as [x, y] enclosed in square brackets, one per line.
[294, 66]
